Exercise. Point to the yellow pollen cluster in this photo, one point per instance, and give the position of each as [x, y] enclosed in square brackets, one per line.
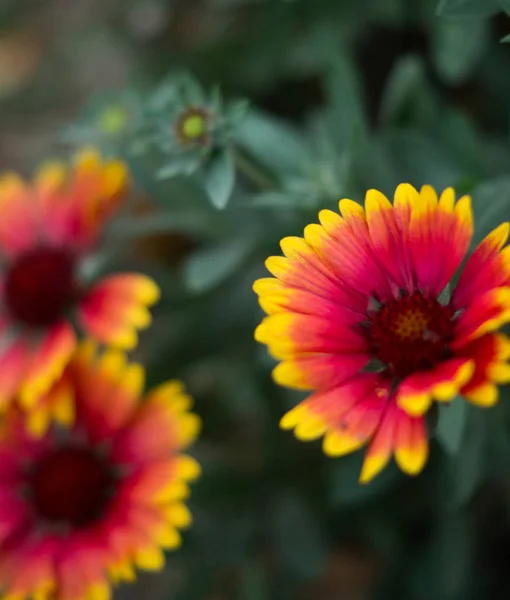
[194, 127]
[410, 325]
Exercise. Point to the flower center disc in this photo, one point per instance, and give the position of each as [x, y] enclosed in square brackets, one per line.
[71, 485]
[191, 126]
[39, 286]
[411, 334]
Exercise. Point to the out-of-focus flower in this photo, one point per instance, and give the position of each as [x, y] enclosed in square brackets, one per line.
[48, 230]
[108, 122]
[358, 313]
[87, 504]
[194, 131]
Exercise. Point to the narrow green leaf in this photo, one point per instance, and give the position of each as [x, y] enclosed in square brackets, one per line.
[464, 471]
[458, 46]
[452, 424]
[208, 268]
[345, 104]
[176, 166]
[220, 179]
[505, 39]
[272, 142]
[300, 544]
[420, 159]
[467, 8]
[404, 84]
[281, 199]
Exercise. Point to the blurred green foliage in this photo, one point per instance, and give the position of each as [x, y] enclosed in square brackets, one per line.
[342, 95]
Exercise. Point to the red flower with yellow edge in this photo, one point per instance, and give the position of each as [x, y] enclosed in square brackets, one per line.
[47, 229]
[83, 507]
[357, 313]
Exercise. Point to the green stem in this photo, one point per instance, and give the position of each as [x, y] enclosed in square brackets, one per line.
[253, 172]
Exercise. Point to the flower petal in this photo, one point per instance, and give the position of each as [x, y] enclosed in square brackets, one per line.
[109, 391]
[301, 268]
[288, 334]
[116, 308]
[389, 226]
[380, 448]
[19, 226]
[416, 393]
[439, 237]
[343, 244]
[486, 313]
[487, 268]
[48, 360]
[276, 296]
[13, 364]
[161, 425]
[411, 444]
[318, 370]
[490, 354]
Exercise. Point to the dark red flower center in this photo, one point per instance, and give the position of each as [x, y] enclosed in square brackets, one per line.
[70, 485]
[40, 285]
[411, 333]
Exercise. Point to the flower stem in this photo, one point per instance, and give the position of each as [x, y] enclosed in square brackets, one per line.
[256, 175]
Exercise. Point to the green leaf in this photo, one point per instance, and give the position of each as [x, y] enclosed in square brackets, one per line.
[220, 179]
[345, 104]
[178, 165]
[209, 267]
[192, 222]
[467, 8]
[345, 489]
[491, 202]
[452, 424]
[299, 541]
[458, 47]
[464, 471]
[420, 160]
[404, 84]
[505, 5]
[458, 133]
[281, 199]
[272, 142]
[505, 39]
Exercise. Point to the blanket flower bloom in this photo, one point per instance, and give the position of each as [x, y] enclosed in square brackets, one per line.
[83, 506]
[358, 313]
[47, 231]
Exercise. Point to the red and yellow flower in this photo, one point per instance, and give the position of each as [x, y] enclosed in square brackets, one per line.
[83, 506]
[47, 229]
[357, 313]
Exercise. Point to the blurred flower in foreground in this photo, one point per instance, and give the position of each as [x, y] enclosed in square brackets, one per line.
[47, 231]
[90, 503]
[358, 314]
[194, 131]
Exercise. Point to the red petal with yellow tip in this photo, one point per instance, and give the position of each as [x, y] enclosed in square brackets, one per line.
[116, 308]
